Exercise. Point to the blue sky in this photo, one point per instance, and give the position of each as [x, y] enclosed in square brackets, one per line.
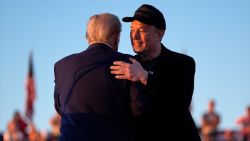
[215, 33]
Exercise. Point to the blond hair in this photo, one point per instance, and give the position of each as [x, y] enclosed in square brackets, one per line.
[103, 27]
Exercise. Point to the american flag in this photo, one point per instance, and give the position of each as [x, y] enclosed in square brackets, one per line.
[30, 89]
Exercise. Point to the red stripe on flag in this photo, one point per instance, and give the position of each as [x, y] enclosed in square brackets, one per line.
[30, 90]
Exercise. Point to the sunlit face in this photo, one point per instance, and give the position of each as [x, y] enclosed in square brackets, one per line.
[144, 37]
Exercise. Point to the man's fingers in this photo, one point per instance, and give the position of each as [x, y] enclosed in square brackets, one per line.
[120, 63]
[113, 72]
[116, 72]
[113, 67]
[120, 77]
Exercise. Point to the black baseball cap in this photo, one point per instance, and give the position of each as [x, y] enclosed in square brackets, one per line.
[148, 14]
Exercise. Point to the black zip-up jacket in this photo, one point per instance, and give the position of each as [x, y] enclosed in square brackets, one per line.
[164, 102]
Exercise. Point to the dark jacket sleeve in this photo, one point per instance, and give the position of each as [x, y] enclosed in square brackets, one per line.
[187, 82]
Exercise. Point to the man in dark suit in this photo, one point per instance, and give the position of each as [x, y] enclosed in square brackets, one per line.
[167, 76]
[94, 106]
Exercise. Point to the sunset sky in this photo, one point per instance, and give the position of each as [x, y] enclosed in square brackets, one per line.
[216, 33]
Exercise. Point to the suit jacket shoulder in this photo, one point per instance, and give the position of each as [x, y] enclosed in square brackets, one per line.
[177, 58]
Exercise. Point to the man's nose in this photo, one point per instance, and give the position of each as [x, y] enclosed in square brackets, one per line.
[136, 35]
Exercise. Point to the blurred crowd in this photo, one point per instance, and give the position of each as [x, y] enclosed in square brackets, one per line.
[210, 121]
[19, 129]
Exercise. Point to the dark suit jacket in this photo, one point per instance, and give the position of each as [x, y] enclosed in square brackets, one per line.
[93, 104]
[169, 93]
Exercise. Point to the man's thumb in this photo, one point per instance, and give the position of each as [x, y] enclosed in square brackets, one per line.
[132, 60]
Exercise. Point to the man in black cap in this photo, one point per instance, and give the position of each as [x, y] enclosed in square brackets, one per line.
[167, 80]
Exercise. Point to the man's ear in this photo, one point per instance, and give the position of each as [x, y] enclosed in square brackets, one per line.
[116, 41]
[161, 34]
[118, 38]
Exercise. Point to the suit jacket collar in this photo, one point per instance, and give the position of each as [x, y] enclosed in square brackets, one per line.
[164, 53]
[102, 46]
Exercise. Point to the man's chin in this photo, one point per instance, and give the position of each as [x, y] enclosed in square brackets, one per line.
[138, 51]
